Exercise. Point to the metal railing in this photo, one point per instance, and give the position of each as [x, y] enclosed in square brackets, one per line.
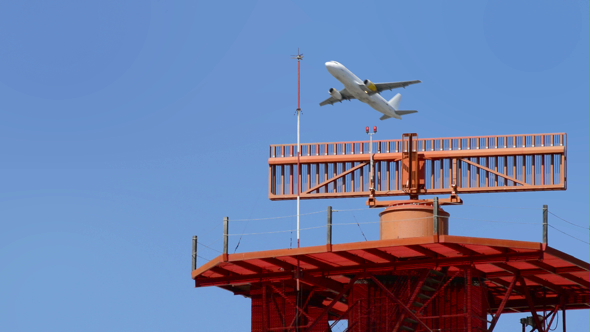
[422, 145]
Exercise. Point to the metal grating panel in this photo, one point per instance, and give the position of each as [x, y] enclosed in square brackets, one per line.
[472, 164]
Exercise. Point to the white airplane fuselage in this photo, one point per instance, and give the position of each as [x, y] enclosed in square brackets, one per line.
[354, 85]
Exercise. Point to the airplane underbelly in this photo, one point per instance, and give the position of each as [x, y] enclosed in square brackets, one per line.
[364, 98]
[376, 103]
[381, 105]
[344, 78]
[358, 93]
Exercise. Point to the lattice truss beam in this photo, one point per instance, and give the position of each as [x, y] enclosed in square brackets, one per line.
[413, 166]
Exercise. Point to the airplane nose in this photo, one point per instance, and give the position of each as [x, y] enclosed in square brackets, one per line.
[331, 66]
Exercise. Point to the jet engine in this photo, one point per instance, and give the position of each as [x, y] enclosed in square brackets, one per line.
[370, 85]
[335, 93]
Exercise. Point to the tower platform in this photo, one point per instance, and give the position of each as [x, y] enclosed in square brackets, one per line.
[518, 276]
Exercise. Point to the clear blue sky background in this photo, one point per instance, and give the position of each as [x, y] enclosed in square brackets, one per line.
[127, 127]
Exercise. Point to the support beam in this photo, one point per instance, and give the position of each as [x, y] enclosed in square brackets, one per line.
[315, 262]
[228, 279]
[503, 304]
[342, 315]
[288, 300]
[584, 266]
[237, 290]
[505, 284]
[265, 316]
[400, 303]
[494, 172]
[323, 283]
[294, 322]
[582, 282]
[279, 263]
[521, 305]
[507, 267]
[334, 301]
[412, 298]
[557, 289]
[563, 318]
[325, 269]
[382, 254]
[531, 303]
[552, 314]
[222, 271]
[537, 272]
[327, 182]
[469, 293]
[544, 266]
[461, 249]
[424, 251]
[278, 310]
[248, 266]
[440, 290]
[351, 257]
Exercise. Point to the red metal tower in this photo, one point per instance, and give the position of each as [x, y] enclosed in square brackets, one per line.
[417, 277]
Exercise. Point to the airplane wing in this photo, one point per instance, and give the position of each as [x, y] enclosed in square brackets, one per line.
[394, 85]
[345, 96]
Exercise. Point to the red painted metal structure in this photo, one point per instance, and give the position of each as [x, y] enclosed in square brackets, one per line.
[423, 283]
[417, 277]
[475, 164]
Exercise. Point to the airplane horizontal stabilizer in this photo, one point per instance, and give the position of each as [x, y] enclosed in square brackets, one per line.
[405, 112]
[385, 117]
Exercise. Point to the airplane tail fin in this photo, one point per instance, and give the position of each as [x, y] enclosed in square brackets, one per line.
[394, 102]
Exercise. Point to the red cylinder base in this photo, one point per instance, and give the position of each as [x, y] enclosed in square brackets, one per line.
[412, 220]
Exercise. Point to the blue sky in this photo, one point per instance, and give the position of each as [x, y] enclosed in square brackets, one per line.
[128, 127]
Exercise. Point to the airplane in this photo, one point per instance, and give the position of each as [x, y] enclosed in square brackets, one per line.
[366, 91]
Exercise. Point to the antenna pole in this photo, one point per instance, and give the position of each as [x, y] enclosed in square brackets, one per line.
[298, 153]
[372, 165]
[299, 57]
[545, 224]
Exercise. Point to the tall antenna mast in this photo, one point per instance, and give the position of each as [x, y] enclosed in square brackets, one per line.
[299, 57]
